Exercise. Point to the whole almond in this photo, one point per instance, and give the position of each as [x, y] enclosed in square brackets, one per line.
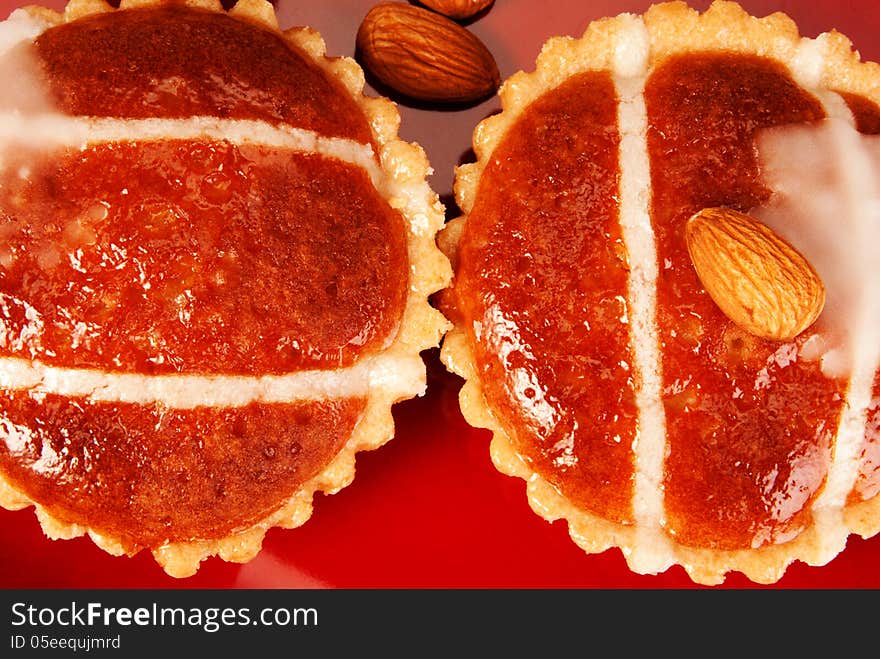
[424, 55]
[758, 279]
[458, 9]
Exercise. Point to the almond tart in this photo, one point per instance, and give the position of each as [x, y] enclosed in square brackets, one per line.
[631, 405]
[214, 274]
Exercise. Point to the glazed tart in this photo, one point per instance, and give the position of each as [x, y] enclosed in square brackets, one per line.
[214, 274]
[633, 407]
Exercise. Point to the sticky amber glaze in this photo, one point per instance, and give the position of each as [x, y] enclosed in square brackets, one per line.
[182, 256]
[865, 111]
[749, 424]
[146, 474]
[542, 291]
[178, 62]
[867, 115]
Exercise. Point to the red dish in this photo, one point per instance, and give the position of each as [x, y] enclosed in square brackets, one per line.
[428, 510]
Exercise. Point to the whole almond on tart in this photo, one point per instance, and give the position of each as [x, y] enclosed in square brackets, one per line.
[425, 56]
[758, 279]
[277, 305]
[612, 386]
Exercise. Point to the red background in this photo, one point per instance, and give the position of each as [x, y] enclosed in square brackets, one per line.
[428, 510]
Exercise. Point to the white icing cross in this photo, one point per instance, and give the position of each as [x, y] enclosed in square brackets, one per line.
[28, 121]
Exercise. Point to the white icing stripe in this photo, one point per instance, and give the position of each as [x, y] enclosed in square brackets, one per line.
[58, 130]
[29, 122]
[652, 552]
[856, 170]
[393, 374]
[836, 107]
[844, 468]
[28, 119]
[852, 167]
[48, 130]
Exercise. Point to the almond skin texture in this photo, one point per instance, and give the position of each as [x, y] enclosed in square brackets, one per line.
[759, 280]
[425, 56]
[458, 9]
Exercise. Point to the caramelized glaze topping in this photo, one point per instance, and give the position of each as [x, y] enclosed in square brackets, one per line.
[867, 116]
[865, 111]
[180, 62]
[182, 256]
[542, 289]
[147, 475]
[181, 249]
[749, 423]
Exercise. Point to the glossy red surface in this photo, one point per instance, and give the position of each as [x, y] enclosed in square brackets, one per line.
[742, 467]
[544, 278]
[172, 234]
[429, 509]
[190, 64]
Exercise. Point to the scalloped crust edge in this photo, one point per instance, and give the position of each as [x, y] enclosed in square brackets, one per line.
[406, 168]
[673, 28]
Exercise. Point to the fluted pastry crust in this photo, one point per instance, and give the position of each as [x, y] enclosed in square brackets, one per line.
[629, 45]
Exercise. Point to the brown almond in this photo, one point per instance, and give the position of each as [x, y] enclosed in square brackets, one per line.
[758, 279]
[458, 9]
[425, 56]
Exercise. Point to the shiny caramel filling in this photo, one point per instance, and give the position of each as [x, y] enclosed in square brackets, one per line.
[189, 256]
[749, 424]
[542, 289]
[146, 475]
[867, 117]
[195, 213]
[179, 62]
